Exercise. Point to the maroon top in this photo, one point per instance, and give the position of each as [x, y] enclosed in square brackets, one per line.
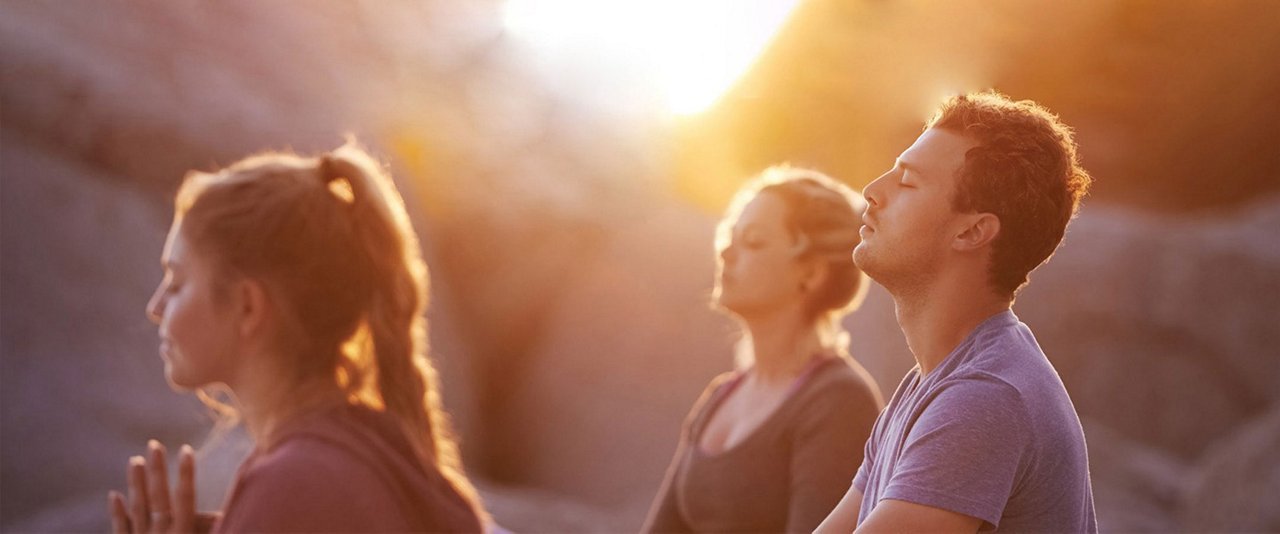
[344, 469]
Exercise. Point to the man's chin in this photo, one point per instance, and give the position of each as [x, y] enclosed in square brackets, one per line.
[868, 264]
[862, 258]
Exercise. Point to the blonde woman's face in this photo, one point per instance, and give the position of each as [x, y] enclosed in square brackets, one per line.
[198, 337]
[758, 272]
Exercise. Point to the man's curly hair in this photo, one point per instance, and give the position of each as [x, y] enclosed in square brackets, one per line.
[1024, 170]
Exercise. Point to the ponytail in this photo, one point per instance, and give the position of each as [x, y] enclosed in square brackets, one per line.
[333, 243]
[385, 363]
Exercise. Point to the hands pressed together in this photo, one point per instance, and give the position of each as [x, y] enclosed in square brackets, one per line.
[151, 507]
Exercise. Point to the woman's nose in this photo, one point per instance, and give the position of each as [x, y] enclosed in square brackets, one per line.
[155, 306]
[728, 253]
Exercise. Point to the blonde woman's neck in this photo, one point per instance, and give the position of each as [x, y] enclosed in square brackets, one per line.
[782, 348]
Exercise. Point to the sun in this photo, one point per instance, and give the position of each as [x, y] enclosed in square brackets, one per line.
[688, 51]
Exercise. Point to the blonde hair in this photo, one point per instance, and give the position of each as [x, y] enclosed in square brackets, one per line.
[824, 216]
[330, 239]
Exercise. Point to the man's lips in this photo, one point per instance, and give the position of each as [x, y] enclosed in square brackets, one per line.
[868, 222]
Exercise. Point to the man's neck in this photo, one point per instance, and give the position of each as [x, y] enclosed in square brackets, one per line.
[937, 318]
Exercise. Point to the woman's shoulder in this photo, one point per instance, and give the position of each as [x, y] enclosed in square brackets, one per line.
[715, 390]
[720, 385]
[334, 443]
[842, 381]
[313, 477]
[309, 455]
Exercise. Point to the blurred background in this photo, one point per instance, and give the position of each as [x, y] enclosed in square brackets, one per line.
[565, 163]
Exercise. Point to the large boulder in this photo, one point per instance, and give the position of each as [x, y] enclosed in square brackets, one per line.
[628, 347]
[1233, 487]
[82, 378]
[1136, 487]
[1164, 327]
[148, 91]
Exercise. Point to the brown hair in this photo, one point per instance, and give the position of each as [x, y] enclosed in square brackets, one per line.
[1024, 170]
[824, 216]
[330, 239]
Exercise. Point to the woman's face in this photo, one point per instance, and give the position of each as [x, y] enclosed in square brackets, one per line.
[198, 334]
[758, 271]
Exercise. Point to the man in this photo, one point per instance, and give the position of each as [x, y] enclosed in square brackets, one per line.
[981, 434]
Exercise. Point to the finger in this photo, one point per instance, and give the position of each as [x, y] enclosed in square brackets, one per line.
[139, 515]
[205, 521]
[184, 507]
[158, 487]
[119, 513]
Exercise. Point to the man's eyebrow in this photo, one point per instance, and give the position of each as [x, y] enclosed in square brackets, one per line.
[906, 166]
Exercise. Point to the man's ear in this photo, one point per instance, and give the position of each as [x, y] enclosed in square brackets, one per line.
[979, 230]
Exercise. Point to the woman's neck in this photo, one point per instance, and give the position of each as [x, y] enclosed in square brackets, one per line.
[782, 346]
[267, 402]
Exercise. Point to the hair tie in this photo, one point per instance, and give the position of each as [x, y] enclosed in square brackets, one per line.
[333, 180]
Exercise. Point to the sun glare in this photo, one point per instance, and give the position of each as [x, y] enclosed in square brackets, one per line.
[690, 51]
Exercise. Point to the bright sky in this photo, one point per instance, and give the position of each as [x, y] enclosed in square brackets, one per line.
[689, 52]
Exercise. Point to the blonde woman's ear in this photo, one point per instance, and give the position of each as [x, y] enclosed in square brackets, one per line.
[816, 276]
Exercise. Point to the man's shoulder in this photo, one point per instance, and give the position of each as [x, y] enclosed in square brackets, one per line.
[1008, 354]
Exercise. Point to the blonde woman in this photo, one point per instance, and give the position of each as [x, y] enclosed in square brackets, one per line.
[297, 282]
[773, 445]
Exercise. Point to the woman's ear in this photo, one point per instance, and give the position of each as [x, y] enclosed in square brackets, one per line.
[252, 307]
[980, 230]
[816, 273]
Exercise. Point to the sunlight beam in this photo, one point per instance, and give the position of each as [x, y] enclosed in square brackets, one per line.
[688, 51]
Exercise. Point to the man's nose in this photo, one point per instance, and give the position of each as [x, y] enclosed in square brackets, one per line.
[872, 191]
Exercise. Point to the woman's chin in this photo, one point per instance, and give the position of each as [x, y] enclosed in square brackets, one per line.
[177, 380]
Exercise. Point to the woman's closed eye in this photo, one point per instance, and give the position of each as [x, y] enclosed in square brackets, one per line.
[751, 242]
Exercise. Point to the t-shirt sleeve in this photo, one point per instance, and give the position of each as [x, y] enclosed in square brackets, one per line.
[311, 486]
[868, 456]
[826, 452]
[965, 451]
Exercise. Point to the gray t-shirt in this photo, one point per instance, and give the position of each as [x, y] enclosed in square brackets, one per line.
[990, 433]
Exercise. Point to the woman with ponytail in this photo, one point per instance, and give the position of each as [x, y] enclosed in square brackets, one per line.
[298, 284]
[774, 445]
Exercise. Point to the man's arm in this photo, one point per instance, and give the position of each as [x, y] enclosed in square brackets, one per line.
[845, 517]
[892, 515]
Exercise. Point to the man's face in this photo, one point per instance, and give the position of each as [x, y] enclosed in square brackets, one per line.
[909, 223]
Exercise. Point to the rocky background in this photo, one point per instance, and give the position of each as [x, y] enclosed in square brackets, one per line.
[569, 234]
